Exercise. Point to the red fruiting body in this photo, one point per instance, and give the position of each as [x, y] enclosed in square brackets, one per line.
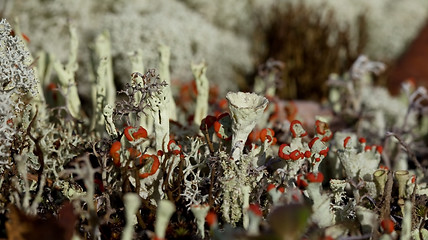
[311, 143]
[413, 179]
[367, 148]
[324, 152]
[267, 134]
[273, 141]
[140, 133]
[346, 141]
[160, 153]
[295, 197]
[174, 147]
[270, 187]
[207, 122]
[220, 129]
[379, 149]
[383, 167]
[223, 103]
[327, 137]
[53, 88]
[387, 225]
[308, 154]
[154, 164]
[188, 92]
[296, 155]
[225, 114]
[274, 116]
[301, 183]
[294, 124]
[311, 177]
[213, 94]
[9, 122]
[158, 238]
[114, 153]
[291, 110]
[127, 134]
[281, 189]
[328, 238]
[211, 218]
[255, 208]
[362, 140]
[281, 153]
[217, 126]
[134, 153]
[254, 135]
[25, 37]
[100, 184]
[321, 127]
[323, 130]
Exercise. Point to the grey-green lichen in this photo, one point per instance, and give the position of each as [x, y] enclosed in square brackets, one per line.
[174, 168]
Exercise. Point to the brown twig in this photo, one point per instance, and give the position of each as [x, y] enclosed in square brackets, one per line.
[210, 192]
[386, 203]
[165, 184]
[413, 201]
[210, 144]
[38, 150]
[180, 178]
[411, 154]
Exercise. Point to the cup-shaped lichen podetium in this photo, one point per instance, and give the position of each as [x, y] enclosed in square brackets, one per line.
[245, 109]
[380, 177]
[402, 176]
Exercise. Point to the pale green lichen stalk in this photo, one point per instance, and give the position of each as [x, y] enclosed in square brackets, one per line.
[407, 221]
[160, 115]
[200, 212]
[402, 176]
[202, 85]
[380, 177]
[245, 109]
[136, 59]
[164, 212]
[337, 186]
[108, 121]
[368, 219]
[103, 89]
[237, 185]
[322, 213]
[132, 204]
[99, 98]
[66, 76]
[103, 50]
[39, 99]
[137, 66]
[165, 53]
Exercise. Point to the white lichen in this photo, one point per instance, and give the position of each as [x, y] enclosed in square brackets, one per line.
[245, 109]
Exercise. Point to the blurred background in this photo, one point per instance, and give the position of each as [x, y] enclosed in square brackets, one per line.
[312, 38]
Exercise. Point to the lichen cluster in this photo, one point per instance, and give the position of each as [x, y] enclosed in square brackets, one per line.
[148, 162]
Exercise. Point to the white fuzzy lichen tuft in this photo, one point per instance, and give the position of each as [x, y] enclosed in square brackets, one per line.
[16, 74]
[16, 80]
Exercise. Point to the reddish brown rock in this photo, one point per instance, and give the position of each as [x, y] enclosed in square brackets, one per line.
[413, 64]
